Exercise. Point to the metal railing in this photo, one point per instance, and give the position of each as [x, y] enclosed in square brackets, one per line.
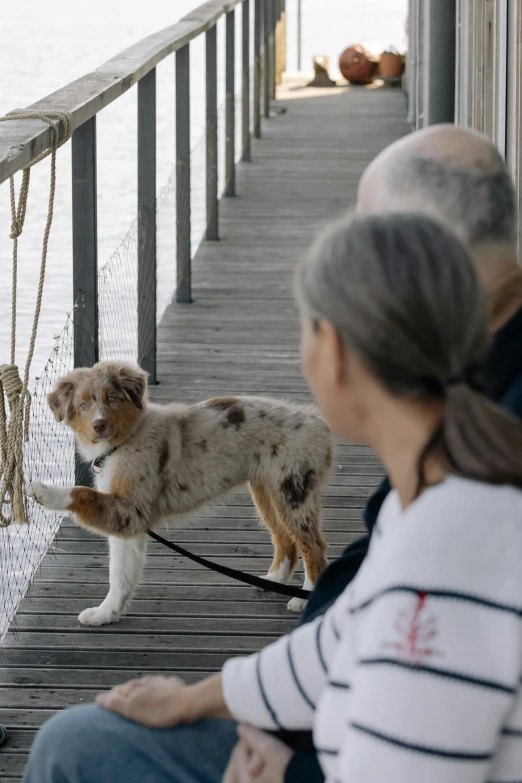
[22, 141]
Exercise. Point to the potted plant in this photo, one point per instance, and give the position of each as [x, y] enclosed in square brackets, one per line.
[391, 64]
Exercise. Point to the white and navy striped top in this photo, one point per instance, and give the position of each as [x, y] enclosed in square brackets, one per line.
[415, 672]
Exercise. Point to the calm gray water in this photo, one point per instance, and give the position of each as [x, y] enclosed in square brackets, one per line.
[42, 48]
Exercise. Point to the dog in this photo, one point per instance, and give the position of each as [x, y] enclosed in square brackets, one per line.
[152, 462]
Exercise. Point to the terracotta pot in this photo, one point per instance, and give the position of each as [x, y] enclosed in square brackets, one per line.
[357, 65]
[390, 65]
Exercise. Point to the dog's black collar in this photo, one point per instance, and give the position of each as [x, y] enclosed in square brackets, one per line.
[98, 463]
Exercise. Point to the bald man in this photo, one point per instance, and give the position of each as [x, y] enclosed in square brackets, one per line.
[458, 177]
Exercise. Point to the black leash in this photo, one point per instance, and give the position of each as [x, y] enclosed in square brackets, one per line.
[233, 573]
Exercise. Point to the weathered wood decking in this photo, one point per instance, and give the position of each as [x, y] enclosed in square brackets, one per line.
[239, 336]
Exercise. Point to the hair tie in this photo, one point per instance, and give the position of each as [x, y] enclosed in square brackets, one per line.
[472, 377]
[453, 380]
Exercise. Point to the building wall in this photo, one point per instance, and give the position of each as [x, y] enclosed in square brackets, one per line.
[513, 146]
[488, 73]
[482, 67]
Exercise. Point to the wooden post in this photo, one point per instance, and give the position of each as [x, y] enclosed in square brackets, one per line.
[280, 41]
[299, 35]
[183, 259]
[272, 49]
[257, 68]
[212, 232]
[147, 224]
[85, 257]
[85, 244]
[283, 36]
[230, 100]
[245, 87]
[266, 57]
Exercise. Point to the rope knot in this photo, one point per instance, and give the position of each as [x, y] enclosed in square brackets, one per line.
[13, 433]
[60, 122]
[16, 228]
[11, 382]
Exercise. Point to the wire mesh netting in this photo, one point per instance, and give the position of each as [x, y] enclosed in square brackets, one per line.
[48, 457]
[49, 454]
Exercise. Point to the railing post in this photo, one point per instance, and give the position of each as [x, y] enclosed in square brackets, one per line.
[283, 36]
[212, 232]
[279, 41]
[230, 99]
[183, 260]
[85, 256]
[147, 224]
[257, 68]
[245, 87]
[266, 57]
[272, 48]
[299, 34]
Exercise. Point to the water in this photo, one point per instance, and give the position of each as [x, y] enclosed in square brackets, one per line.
[41, 49]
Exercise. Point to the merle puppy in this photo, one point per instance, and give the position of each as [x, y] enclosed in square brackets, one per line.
[154, 462]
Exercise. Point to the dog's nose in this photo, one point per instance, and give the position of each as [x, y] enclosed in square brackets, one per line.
[99, 426]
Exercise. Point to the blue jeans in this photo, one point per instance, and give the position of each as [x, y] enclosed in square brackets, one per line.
[88, 744]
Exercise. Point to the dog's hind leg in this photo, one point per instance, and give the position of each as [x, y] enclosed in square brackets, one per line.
[303, 525]
[127, 559]
[285, 550]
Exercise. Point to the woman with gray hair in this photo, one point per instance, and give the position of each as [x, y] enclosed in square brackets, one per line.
[414, 674]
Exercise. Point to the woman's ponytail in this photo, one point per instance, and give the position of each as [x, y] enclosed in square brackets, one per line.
[477, 438]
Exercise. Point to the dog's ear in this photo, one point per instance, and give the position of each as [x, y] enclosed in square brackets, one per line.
[61, 398]
[133, 383]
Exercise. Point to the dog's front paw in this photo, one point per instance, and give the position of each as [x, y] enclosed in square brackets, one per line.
[296, 604]
[97, 616]
[51, 498]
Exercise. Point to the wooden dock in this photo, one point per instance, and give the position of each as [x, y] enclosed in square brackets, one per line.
[239, 336]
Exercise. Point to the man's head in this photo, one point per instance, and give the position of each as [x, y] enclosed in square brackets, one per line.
[458, 177]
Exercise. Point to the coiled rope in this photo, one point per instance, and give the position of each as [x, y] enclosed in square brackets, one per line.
[14, 431]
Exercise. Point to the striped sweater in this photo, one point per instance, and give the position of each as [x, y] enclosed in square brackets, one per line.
[414, 674]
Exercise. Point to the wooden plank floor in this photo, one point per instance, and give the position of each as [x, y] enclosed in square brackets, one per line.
[239, 336]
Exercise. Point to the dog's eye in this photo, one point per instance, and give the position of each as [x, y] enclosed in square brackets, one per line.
[111, 398]
[83, 404]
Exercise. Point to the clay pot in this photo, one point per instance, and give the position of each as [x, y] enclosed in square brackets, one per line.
[357, 65]
[390, 65]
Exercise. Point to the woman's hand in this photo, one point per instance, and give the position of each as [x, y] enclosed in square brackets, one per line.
[257, 757]
[160, 702]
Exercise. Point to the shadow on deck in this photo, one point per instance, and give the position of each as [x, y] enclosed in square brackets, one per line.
[239, 336]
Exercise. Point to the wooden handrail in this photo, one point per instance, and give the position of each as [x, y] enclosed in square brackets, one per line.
[22, 140]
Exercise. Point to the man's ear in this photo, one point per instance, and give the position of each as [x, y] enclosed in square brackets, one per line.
[133, 383]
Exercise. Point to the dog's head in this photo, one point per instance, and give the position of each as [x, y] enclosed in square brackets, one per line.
[101, 403]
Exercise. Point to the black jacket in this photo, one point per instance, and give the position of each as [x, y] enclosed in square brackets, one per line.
[504, 385]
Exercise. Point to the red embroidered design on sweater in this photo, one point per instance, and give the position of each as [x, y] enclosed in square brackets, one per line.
[416, 628]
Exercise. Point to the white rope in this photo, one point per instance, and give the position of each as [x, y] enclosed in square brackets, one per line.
[14, 430]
